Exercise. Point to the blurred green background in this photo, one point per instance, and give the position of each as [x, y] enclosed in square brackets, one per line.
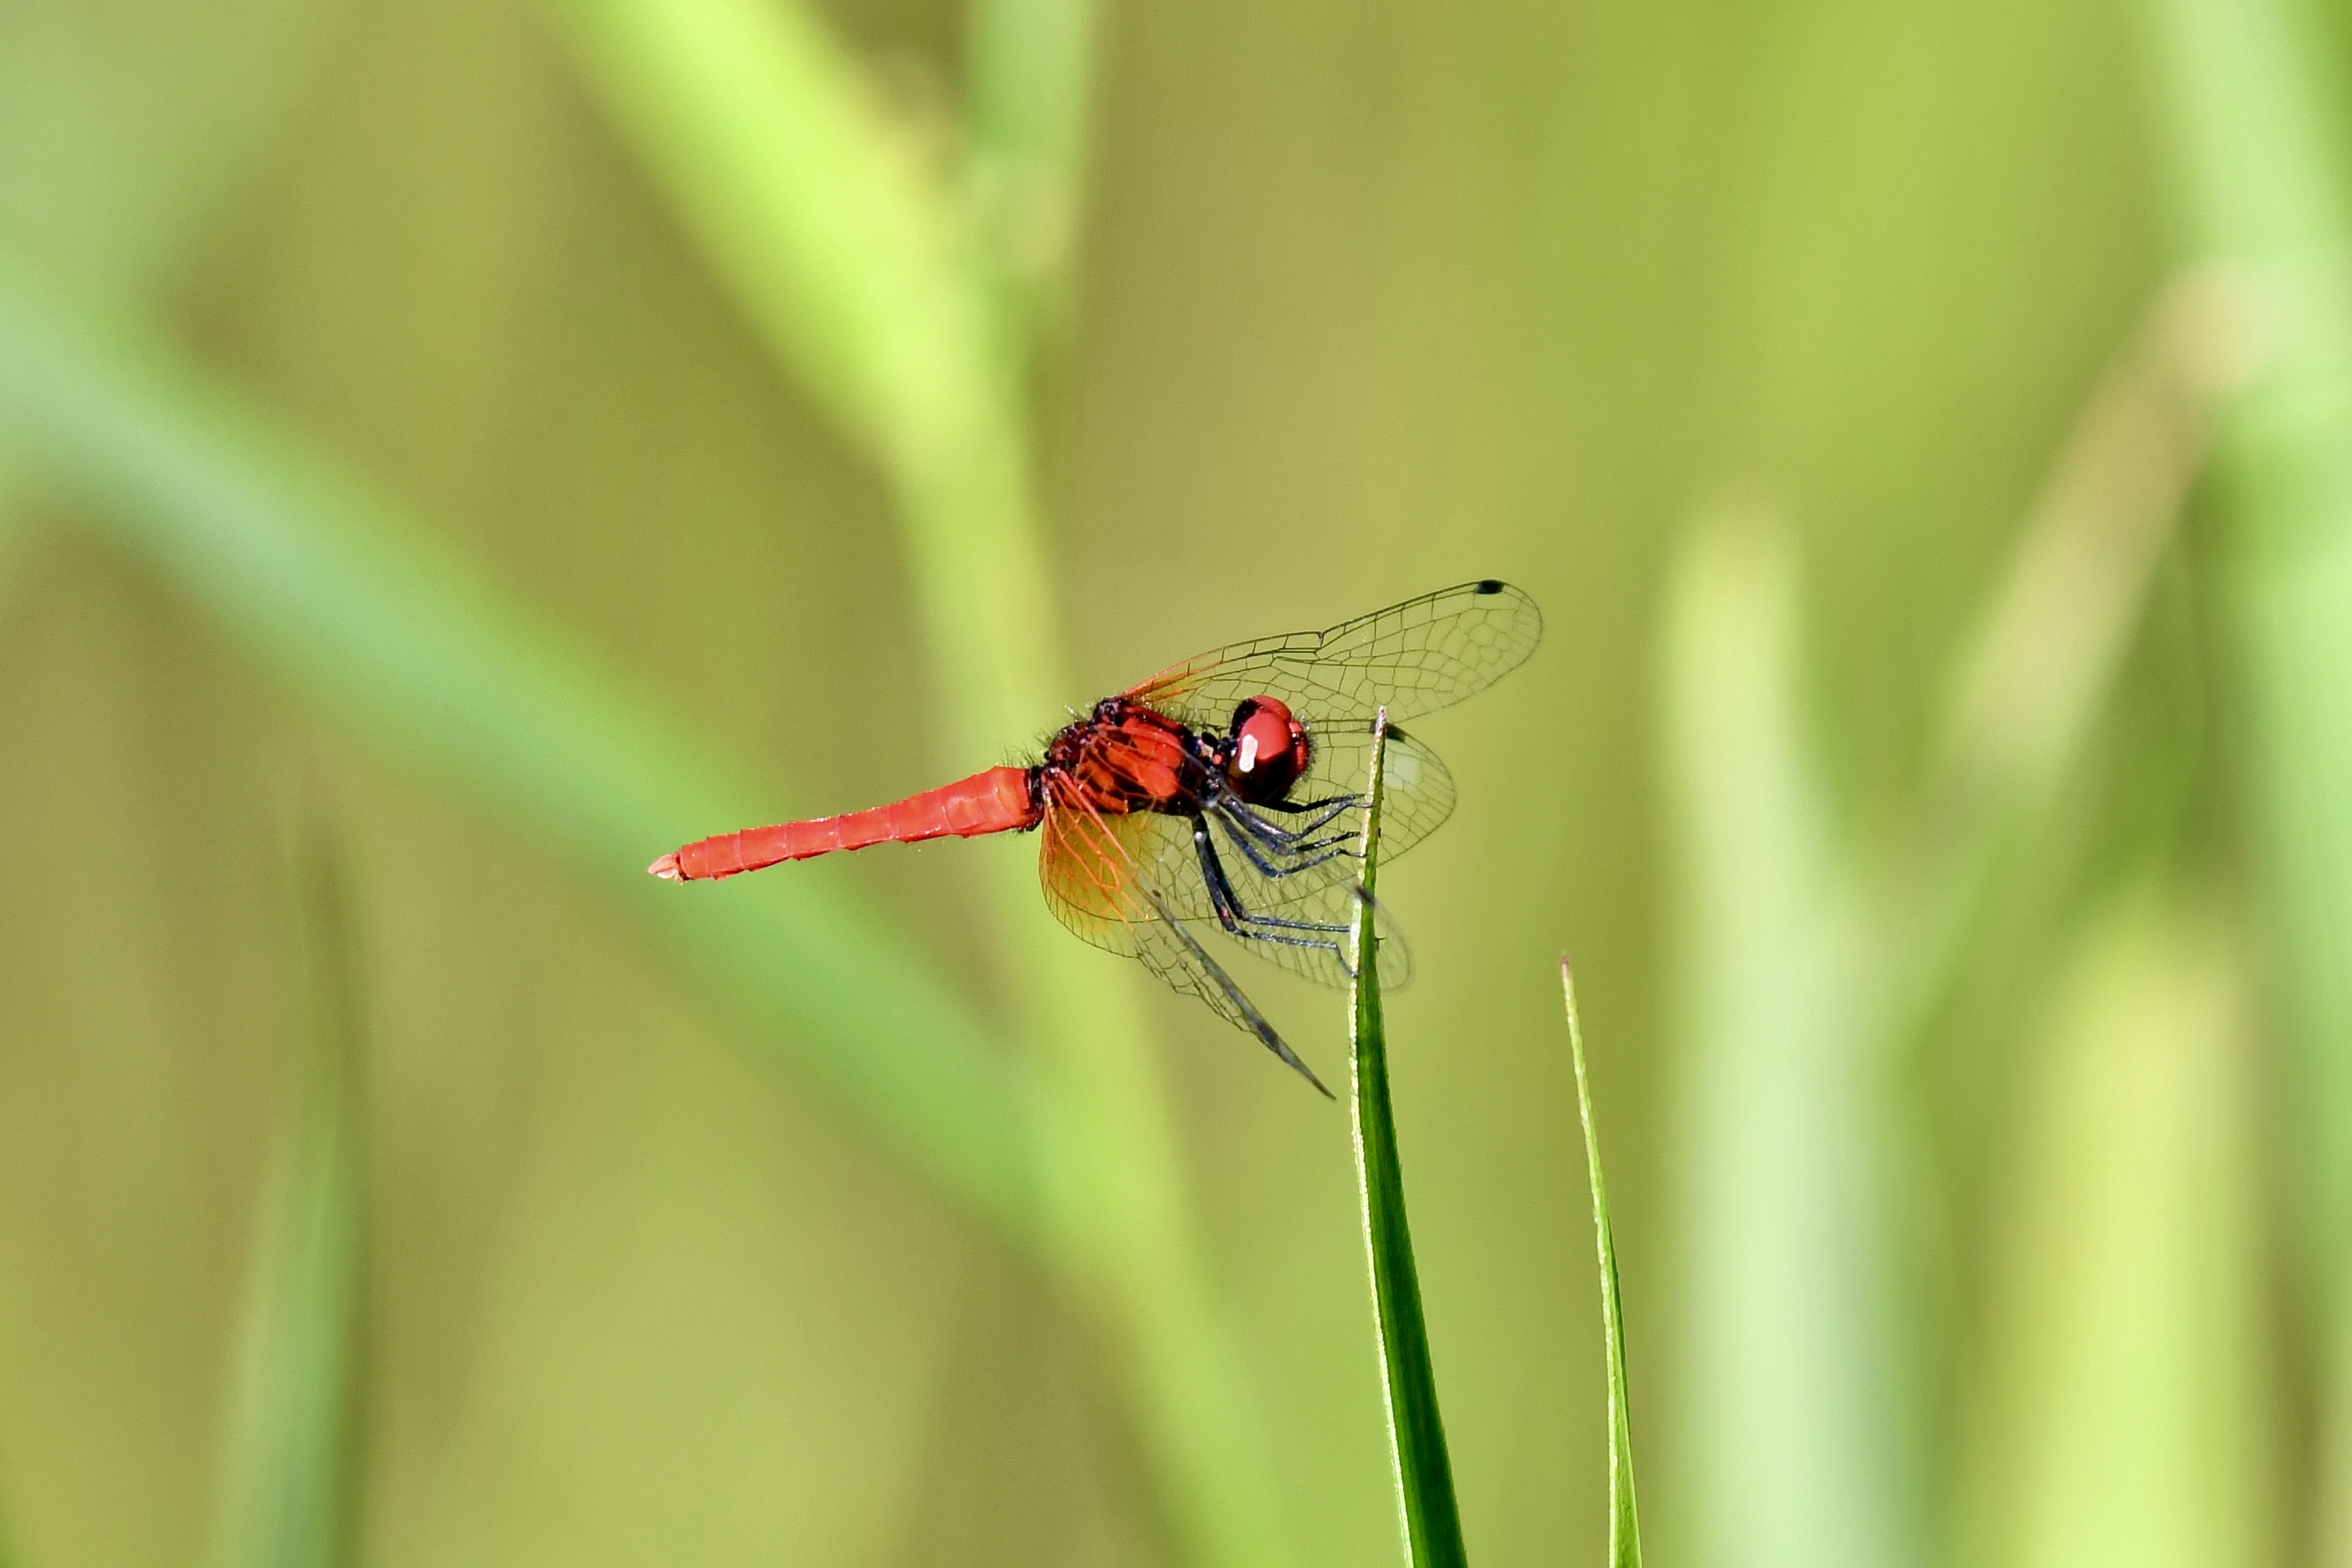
[450, 453]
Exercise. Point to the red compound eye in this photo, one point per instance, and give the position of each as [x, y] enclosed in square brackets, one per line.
[1269, 750]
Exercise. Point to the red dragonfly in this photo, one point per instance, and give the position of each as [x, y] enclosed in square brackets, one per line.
[1220, 797]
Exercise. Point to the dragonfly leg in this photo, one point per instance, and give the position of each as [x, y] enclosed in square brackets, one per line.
[1212, 876]
[1238, 921]
[1273, 839]
[1242, 816]
[1324, 813]
[1227, 905]
[1277, 861]
[1331, 805]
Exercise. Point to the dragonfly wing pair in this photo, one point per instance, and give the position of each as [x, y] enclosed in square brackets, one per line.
[1141, 884]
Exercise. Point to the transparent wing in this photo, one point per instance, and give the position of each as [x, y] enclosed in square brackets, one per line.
[1417, 794]
[1415, 657]
[1094, 887]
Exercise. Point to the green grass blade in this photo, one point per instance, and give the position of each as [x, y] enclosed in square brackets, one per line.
[1794, 1449]
[1624, 1518]
[1432, 1525]
[333, 586]
[292, 1476]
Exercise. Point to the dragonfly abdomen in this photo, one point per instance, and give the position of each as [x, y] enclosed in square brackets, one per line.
[1001, 800]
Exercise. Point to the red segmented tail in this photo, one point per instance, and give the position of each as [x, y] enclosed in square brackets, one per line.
[997, 801]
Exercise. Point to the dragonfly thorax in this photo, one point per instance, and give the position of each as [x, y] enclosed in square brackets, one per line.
[1124, 757]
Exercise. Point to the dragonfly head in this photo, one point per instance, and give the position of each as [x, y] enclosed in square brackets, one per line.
[1267, 752]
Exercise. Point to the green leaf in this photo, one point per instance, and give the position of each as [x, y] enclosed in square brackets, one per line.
[1432, 1525]
[1625, 1519]
[292, 1477]
[336, 588]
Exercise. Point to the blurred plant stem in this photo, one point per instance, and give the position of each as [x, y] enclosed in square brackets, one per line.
[2034, 675]
[1030, 66]
[291, 1484]
[339, 592]
[1790, 1430]
[2023, 701]
[2257, 126]
[815, 207]
[907, 323]
[2121, 1413]
[1430, 1518]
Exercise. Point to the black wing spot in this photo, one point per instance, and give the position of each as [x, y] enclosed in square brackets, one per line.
[1490, 586]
